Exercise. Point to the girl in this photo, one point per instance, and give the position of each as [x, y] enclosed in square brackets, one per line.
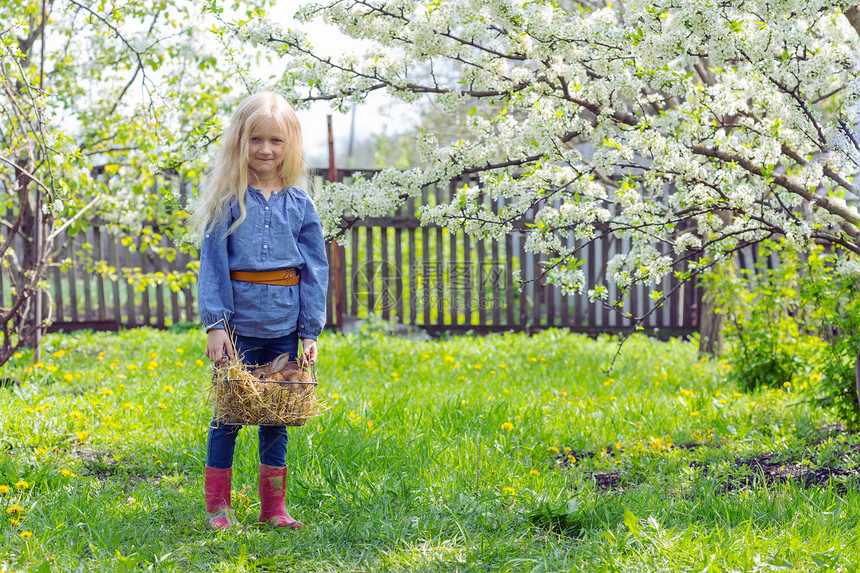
[263, 274]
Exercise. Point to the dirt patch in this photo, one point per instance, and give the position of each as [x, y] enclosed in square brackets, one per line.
[813, 467]
[104, 466]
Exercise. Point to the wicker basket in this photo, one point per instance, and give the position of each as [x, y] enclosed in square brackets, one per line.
[262, 397]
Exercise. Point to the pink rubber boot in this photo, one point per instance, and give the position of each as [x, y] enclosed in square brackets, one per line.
[219, 513]
[273, 494]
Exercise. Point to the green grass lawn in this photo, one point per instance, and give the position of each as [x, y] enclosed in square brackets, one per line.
[505, 453]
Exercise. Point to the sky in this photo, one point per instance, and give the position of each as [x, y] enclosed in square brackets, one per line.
[378, 113]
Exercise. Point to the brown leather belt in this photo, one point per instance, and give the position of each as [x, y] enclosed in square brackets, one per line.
[285, 277]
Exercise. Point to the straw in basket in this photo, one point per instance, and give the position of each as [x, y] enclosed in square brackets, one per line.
[280, 393]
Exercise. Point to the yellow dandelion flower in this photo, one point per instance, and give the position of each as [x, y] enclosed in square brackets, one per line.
[694, 413]
[21, 484]
[554, 450]
[26, 535]
[152, 365]
[612, 398]
[394, 374]
[68, 377]
[82, 436]
[167, 388]
[370, 423]
[335, 396]
[509, 490]
[507, 426]
[571, 458]
[128, 405]
[162, 405]
[449, 358]
[180, 350]
[15, 522]
[534, 472]
[59, 354]
[180, 363]
[107, 391]
[14, 509]
[4, 489]
[352, 415]
[787, 384]
[68, 473]
[532, 359]
[199, 362]
[132, 366]
[816, 377]
[17, 355]
[51, 368]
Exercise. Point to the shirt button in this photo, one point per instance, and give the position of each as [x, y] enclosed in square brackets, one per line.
[267, 208]
[266, 226]
[265, 246]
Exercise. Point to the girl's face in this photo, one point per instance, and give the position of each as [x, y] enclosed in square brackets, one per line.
[266, 149]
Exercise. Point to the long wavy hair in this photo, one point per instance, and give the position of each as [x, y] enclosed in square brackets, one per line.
[228, 175]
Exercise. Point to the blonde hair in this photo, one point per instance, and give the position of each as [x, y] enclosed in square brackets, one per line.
[228, 176]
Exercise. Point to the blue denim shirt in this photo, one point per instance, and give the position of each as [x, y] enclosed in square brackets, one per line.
[279, 233]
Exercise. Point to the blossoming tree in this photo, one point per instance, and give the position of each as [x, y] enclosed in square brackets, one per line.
[691, 127]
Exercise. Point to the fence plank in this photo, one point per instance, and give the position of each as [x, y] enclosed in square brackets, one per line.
[59, 304]
[454, 276]
[384, 294]
[482, 283]
[353, 279]
[398, 269]
[100, 279]
[72, 276]
[523, 302]
[509, 278]
[369, 270]
[413, 295]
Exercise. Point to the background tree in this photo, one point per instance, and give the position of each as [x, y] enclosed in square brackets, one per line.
[691, 128]
[104, 105]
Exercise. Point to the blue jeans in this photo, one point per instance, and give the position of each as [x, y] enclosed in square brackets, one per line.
[221, 442]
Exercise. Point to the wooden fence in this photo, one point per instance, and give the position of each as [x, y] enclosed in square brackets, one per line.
[447, 281]
[428, 277]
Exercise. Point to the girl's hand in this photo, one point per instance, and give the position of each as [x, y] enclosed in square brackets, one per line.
[218, 345]
[309, 351]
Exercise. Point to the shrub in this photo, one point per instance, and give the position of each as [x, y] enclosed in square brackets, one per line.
[793, 321]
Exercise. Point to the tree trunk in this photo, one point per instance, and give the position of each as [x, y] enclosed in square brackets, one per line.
[711, 322]
[710, 328]
[29, 259]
